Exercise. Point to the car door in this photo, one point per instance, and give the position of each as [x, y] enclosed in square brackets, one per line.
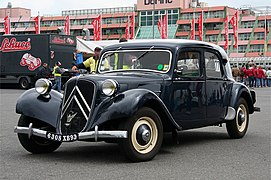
[215, 85]
[188, 89]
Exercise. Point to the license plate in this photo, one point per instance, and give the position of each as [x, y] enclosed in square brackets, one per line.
[61, 138]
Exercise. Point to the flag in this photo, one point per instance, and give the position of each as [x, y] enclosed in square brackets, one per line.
[7, 25]
[37, 24]
[166, 26]
[234, 23]
[192, 33]
[200, 21]
[130, 27]
[127, 30]
[67, 25]
[162, 26]
[97, 28]
[226, 32]
[132, 22]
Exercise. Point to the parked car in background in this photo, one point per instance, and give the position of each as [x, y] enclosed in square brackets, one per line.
[150, 87]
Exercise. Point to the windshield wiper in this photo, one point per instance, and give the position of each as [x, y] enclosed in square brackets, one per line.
[108, 55]
[143, 54]
[136, 63]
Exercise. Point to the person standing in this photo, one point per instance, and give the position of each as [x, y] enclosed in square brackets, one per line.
[250, 74]
[268, 76]
[242, 74]
[91, 63]
[235, 72]
[43, 71]
[57, 72]
[260, 76]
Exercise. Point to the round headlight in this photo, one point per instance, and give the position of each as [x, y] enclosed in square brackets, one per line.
[43, 86]
[109, 87]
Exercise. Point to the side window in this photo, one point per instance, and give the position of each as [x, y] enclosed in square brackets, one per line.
[212, 65]
[188, 64]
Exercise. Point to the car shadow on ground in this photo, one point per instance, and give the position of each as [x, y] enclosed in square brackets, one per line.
[85, 152]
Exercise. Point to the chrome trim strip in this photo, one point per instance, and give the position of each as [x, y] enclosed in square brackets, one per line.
[176, 81]
[102, 134]
[67, 99]
[82, 97]
[230, 115]
[82, 110]
[83, 135]
[132, 50]
[64, 111]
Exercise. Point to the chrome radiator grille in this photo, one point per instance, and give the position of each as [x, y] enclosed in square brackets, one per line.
[77, 104]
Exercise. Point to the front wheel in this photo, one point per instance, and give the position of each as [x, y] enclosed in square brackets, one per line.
[237, 128]
[35, 144]
[145, 135]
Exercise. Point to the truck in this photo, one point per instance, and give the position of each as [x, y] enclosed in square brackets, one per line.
[22, 55]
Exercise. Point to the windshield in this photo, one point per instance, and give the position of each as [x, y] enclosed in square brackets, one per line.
[127, 60]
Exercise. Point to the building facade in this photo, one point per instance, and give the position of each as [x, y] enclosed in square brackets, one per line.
[254, 35]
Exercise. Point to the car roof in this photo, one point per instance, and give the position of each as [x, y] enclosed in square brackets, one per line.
[164, 43]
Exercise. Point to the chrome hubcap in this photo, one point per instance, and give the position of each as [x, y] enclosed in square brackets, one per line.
[144, 135]
[241, 118]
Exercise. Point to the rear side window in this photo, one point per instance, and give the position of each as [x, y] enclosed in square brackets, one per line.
[212, 65]
[188, 64]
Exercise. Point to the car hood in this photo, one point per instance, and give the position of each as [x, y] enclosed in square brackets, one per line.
[132, 80]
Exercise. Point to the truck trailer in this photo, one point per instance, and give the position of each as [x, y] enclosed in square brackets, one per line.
[22, 55]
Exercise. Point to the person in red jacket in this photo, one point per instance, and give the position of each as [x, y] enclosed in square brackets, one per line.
[243, 74]
[260, 76]
[250, 74]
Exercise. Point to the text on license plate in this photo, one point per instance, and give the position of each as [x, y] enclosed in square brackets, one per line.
[61, 138]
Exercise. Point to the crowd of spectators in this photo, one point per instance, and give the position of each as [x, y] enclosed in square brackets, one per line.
[252, 75]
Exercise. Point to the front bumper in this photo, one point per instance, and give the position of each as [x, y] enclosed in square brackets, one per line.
[80, 136]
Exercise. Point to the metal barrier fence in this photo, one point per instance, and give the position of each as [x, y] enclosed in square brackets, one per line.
[262, 61]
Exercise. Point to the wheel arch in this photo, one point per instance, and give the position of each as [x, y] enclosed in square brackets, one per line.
[240, 90]
[126, 104]
[167, 121]
[248, 99]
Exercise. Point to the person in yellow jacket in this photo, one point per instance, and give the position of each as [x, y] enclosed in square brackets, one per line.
[92, 62]
[57, 72]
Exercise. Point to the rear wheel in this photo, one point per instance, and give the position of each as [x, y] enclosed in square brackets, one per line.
[145, 135]
[237, 128]
[35, 144]
[24, 84]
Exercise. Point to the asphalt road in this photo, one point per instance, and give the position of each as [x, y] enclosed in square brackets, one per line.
[205, 153]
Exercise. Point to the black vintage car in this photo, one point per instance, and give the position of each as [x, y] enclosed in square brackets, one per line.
[141, 89]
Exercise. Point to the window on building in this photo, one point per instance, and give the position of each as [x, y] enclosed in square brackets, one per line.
[256, 48]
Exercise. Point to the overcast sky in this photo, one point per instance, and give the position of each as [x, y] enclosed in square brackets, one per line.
[55, 7]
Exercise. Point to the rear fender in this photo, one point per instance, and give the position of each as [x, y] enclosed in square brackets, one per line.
[240, 90]
[34, 105]
[125, 105]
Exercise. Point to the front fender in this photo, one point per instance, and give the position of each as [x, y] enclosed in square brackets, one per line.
[34, 105]
[124, 105]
